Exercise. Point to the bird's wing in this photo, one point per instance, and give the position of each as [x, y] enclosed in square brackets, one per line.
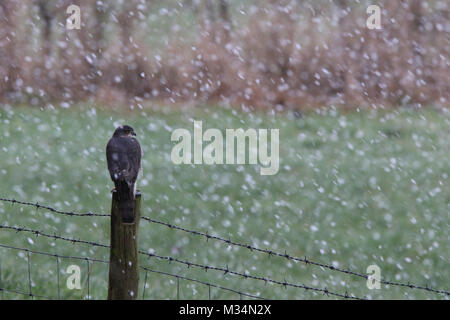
[135, 158]
[112, 159]
[124, 159]
[119, 165]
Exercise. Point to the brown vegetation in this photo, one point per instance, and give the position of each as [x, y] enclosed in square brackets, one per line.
[280, 58]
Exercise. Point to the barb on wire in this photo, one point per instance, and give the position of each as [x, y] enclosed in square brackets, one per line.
[187, 263]
[246, 246]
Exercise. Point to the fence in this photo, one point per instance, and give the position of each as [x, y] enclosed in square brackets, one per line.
[189, 264]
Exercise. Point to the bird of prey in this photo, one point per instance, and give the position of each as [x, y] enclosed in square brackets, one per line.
[123, 154]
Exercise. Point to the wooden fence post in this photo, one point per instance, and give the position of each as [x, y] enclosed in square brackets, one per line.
[123, 261]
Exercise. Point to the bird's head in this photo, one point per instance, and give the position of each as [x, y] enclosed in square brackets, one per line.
[124, 131]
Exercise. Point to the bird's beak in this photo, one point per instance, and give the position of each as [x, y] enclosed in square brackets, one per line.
[133, 134]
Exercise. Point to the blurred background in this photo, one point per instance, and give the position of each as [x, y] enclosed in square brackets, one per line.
[364, 142]
[281, 54]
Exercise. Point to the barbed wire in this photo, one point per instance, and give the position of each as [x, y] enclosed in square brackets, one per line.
[54, 255]
[269, 252]
[67, 213]
[190, 264]
[290, 257]
[177, 276]
[54, 236]
[208, 284]
[253, 248]
[248, 276]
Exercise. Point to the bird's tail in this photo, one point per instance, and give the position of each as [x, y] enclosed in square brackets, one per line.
[126, 201]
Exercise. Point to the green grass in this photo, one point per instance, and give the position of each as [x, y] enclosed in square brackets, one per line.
[353, 189]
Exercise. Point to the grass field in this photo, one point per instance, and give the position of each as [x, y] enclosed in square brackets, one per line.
[353, 189]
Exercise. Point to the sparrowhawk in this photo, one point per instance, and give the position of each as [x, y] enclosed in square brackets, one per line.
[123, 154]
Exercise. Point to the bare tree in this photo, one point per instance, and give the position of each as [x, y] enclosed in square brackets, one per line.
[224, 15]
[216, 19]
[133, 64]
[9, 66]
[47, 19]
